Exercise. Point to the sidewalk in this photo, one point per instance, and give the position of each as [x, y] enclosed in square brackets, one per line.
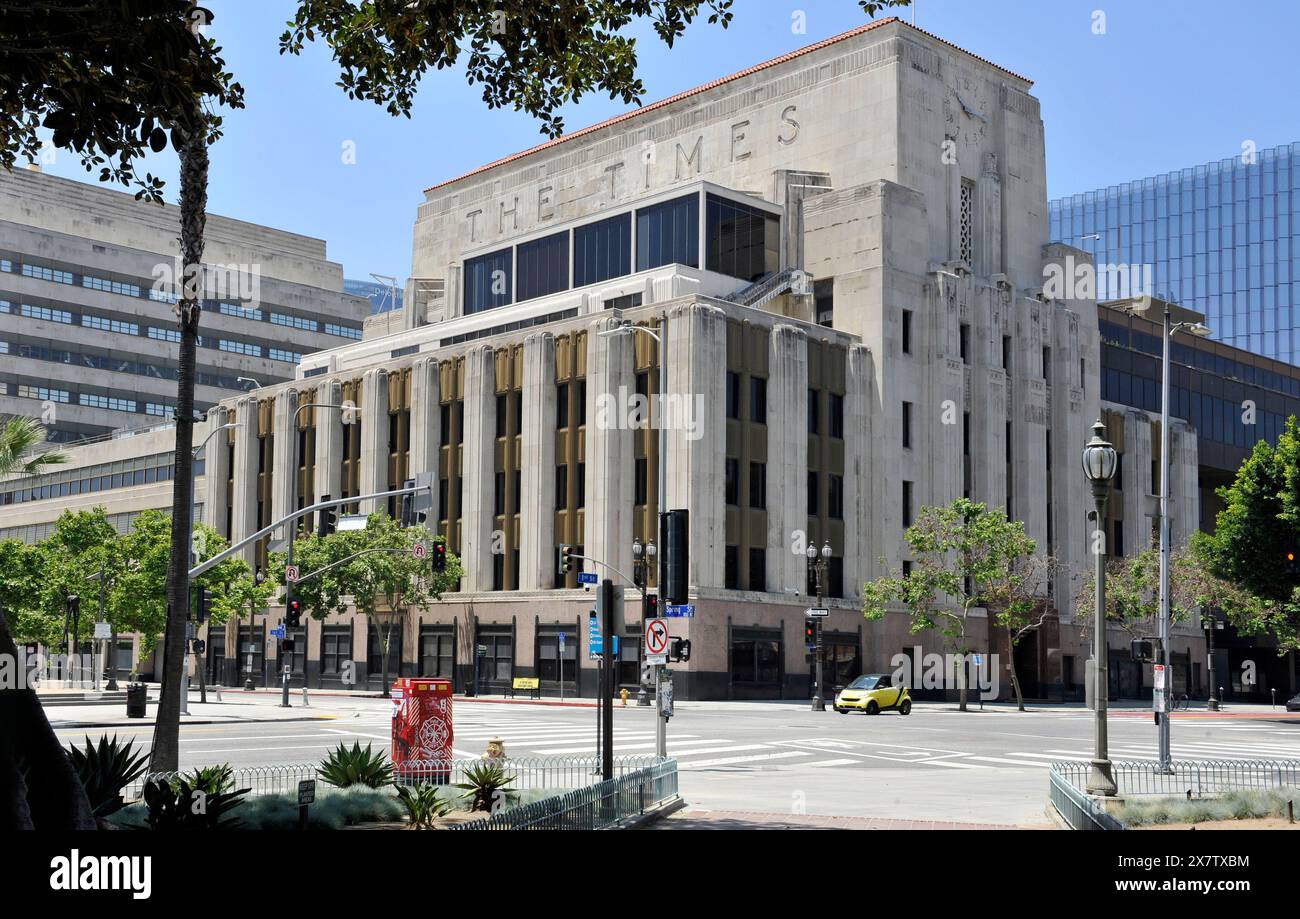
[693, 819]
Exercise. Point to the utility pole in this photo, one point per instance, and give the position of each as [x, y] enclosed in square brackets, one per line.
[607, 680]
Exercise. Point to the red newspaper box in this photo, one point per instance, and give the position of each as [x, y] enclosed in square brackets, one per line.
[422, 730]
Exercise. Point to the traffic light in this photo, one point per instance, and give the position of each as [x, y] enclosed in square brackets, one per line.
[292, 612]
[1292, 567]
[676, 540]
[566, 559]
[810, 633]
[327, 520]
[680, 650]
[439, 556]
[650, 606]
[74, 605]
[198, 646]
[203, 611]
[408, 515]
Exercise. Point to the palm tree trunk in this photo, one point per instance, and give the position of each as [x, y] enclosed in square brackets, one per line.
[38, 787]
[193, 208]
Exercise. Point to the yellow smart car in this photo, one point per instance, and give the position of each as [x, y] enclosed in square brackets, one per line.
[873, 693]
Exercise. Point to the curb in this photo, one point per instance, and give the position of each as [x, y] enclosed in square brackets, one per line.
[641, 821]
[61, 726]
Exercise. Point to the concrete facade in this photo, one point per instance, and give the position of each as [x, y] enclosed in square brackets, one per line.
[87, 324]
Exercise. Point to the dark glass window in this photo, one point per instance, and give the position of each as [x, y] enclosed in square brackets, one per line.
[561, 405]
[837, 414]
[757, 568]
[436, 652]
[757, 485]
[562, 487]
[756, 657]
[732, 481]
[502, 415]
[824, 301]
[602, 250]
[668, 233]
[835, 497]
[907, 504]
[499, 495]
[907, 331]
[963, 335]
[641, 475]
[813, 487]
[335, 648]
[742, 241]
[552, 664]
[814, 411]
[497, 666]
[758, 400]
[731, 568]
[542, 267]
[733, 395]
[907, 425]
[487, 281]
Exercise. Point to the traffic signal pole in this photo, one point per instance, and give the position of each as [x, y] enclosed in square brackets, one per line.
[607, 681]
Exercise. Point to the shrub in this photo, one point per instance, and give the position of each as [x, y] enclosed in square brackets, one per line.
[485, 784]
[334, 809]
[423, 805]
[105, 770]
[184, 804]
[344, 768]
[1235, 805]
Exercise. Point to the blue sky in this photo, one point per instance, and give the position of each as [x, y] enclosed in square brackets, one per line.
[1170, 83]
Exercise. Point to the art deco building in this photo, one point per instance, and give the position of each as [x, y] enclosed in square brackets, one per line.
[847, 247]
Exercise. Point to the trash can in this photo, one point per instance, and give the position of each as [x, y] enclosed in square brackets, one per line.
[136, 700]
[422, 732]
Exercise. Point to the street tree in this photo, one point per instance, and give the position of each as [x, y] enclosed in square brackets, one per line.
[19, 438]
[964, 556]
[374, 571]
[241, 595]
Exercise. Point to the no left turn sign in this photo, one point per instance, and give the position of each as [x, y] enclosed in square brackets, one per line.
[656, 636]
[291, 573]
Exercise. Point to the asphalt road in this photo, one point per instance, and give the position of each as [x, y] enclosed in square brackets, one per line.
[781, 758]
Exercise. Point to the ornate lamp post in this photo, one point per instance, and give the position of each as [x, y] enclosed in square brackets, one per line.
[1099, 461]
[819, 573]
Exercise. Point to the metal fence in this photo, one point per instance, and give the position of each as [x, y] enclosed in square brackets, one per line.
[1080, 810]
[1197, 778]
[596, 807]
[546, 773]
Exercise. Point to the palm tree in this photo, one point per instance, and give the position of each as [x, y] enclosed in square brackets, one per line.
[18, 436]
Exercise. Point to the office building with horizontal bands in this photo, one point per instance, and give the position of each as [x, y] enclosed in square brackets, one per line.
[88, 283]
[846, 247]
[1220, 238]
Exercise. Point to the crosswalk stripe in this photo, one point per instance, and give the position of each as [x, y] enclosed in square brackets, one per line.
[590, 747]
[729, 760]
[1012, 762]
[832, 762]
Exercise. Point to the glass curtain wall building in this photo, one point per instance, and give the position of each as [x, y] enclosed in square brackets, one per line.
[1219, 238]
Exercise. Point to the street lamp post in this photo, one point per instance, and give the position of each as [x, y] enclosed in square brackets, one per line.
[1173, 319]
[1099, 461]
[1211, 623]
[661, 338]
[818, 564]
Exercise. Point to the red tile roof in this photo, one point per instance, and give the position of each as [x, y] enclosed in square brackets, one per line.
[808, 49]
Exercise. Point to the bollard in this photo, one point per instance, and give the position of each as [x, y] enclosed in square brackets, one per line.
[305, 703]
[217, 690]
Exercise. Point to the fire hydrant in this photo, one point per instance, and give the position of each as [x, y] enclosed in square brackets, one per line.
[622, 695]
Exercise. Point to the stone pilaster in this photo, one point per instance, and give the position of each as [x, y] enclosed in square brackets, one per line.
[610, 460]
[374, 438]
[329, 441]
[1138, 486]
[284, 479]
[1184, 490]
[244, 515]
[861, 562]
[537, 465]
[697, 376]
[787, 457]
[216, 473]
[426, 417]
[478, 469]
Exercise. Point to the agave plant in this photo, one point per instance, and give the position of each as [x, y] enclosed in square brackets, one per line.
[344, 767]
[182, 804]
[211, 779]
[423, 806]
[105, 770]
[486, 784]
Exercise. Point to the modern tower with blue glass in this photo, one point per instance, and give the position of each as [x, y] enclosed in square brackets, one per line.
[1219, 238]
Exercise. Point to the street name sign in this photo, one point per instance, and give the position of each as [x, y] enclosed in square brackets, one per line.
[680, 611]
[817, 612]
[588, 577]
[277, 632]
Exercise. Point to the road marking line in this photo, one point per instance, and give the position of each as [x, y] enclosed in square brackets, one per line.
[831, 762]
[729, 760]
[1011, 762]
